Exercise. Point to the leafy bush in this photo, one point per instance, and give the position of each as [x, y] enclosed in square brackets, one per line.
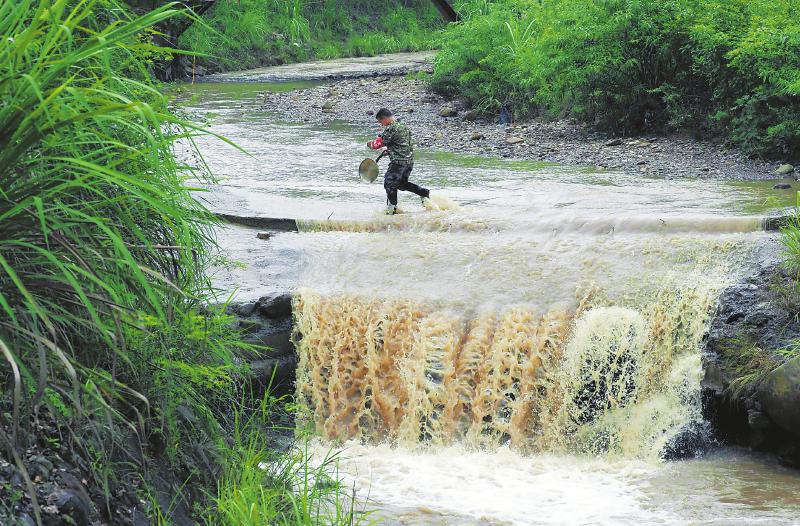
[251, 33]
[727, 68]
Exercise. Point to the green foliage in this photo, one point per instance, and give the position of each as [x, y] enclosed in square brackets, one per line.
[102, 247]
[95, 223]
[748, 364]
[251, 33]
[103, 319]
[263, 485]
[730, 68]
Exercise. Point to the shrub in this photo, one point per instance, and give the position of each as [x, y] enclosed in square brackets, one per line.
[727, 68]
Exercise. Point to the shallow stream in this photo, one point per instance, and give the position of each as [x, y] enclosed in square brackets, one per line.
[528, 358]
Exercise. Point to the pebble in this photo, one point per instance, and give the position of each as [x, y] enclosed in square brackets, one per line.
[564, 142]
[784, 169]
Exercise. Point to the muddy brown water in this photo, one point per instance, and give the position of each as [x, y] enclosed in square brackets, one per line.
[614, 256]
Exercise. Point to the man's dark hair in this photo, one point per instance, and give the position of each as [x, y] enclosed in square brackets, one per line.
[383, 113]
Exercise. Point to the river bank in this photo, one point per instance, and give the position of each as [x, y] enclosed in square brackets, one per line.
[450, 125]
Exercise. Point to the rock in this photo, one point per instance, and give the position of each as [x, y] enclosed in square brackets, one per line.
[410, 110]
[757, 420]
[471, 115]
[614, 142]
[248, 326]
[514, 139]
[327, 106]
[370, 112]
[448, 111]
[276, 373]
[264, 235]
[782, 186]
[779, 395]
[784, 169]
[71, 504]
[789, 456]
[477, 136]
[40, 466]
[275, 305]
[692, 440]
[245, 309]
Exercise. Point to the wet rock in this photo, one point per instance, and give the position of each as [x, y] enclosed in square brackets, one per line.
[614, 142]
[274, 373]
[245, 309]
[275, 305]
[248, 326]
[782, 186]
[789, 456]
[758, 420]
[753, 310]
[264, 235]
[471, 115]
[784, 169]
[71, 504]
[779, 395]
[39, 466]
[692, 440]
[514, 139]
[448, 111]
[370, 112]
[477, 136]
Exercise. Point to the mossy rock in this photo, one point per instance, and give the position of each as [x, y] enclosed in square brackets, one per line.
[780, 395]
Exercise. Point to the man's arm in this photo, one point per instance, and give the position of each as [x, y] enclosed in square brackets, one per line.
[385, 138]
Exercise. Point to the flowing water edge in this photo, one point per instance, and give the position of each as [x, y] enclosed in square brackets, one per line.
[529, 358]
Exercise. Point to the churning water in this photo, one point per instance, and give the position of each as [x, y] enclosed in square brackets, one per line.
[529, 357]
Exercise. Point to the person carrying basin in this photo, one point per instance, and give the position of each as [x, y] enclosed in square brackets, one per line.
[396, 137]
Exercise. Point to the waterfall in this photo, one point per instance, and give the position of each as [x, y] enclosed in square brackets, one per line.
[599, 378]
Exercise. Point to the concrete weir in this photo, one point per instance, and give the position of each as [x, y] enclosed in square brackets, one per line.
[283, 224]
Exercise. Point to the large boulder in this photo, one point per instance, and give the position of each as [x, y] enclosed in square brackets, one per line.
[752, 320]
[779, 395]
[267, 324]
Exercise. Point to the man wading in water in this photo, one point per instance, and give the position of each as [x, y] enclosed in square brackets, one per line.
[396, 137]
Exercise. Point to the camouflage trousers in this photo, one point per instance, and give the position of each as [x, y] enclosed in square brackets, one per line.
[396, 178]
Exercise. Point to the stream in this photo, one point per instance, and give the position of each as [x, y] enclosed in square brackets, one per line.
[531, 357]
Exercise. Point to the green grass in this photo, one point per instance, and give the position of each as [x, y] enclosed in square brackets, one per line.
[97, 228]
[715, 68]
[104, 327]
[262, 485]
[748, 364]
[251, 33]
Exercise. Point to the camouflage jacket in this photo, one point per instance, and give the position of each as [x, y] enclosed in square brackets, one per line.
[397, 138]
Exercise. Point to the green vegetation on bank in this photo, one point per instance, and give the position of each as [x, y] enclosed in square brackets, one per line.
[723, 68]
[105, 337]
[252, 33]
